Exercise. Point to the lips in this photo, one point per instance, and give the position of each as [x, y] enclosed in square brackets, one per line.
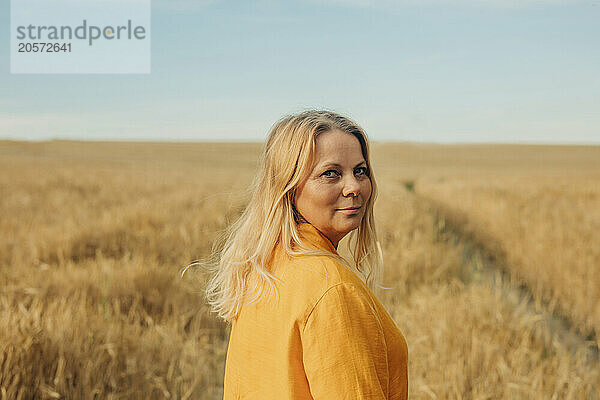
[349, 208]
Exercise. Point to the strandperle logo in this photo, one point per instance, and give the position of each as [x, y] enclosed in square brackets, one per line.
[84, 31]
[80, 37]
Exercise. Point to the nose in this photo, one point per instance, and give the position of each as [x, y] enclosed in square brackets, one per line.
[351, 186]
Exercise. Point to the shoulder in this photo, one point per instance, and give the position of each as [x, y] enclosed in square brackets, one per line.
[344, 346]
[314, 273]
[343, 308]
[307, 280]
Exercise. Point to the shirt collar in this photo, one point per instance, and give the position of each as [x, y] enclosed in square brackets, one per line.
[311, 234]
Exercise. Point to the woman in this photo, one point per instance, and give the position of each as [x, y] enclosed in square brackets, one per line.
[305, 323]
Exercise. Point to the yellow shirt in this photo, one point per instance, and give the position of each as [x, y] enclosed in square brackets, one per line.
[326, 337]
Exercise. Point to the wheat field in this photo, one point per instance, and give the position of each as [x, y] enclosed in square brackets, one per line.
[491, 254]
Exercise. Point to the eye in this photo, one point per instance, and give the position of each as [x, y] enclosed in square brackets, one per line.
[361, 171]
[330, 173]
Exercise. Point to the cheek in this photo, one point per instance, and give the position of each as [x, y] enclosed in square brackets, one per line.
[366, 189]
[317, 197]
[324, 194]
[330, 194]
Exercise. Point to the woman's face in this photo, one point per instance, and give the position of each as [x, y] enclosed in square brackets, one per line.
[334, 195]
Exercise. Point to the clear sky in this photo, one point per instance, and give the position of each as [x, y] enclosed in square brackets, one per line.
[445, 71]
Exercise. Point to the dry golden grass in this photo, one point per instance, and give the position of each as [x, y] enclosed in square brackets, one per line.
[544, 228]
[470, 336]
[94, 236]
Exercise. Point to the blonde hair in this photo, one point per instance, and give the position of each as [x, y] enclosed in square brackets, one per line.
[240, 266]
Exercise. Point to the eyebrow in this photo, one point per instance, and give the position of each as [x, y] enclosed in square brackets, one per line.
[330, 164]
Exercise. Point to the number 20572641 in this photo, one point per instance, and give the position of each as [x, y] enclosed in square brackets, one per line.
[44, 47]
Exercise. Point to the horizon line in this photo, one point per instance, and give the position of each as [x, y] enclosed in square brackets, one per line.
[190, 141]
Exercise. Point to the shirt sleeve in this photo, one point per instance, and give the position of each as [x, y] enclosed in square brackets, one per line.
[344, 349]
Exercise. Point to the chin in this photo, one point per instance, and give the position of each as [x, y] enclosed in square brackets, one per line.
[349, 226]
